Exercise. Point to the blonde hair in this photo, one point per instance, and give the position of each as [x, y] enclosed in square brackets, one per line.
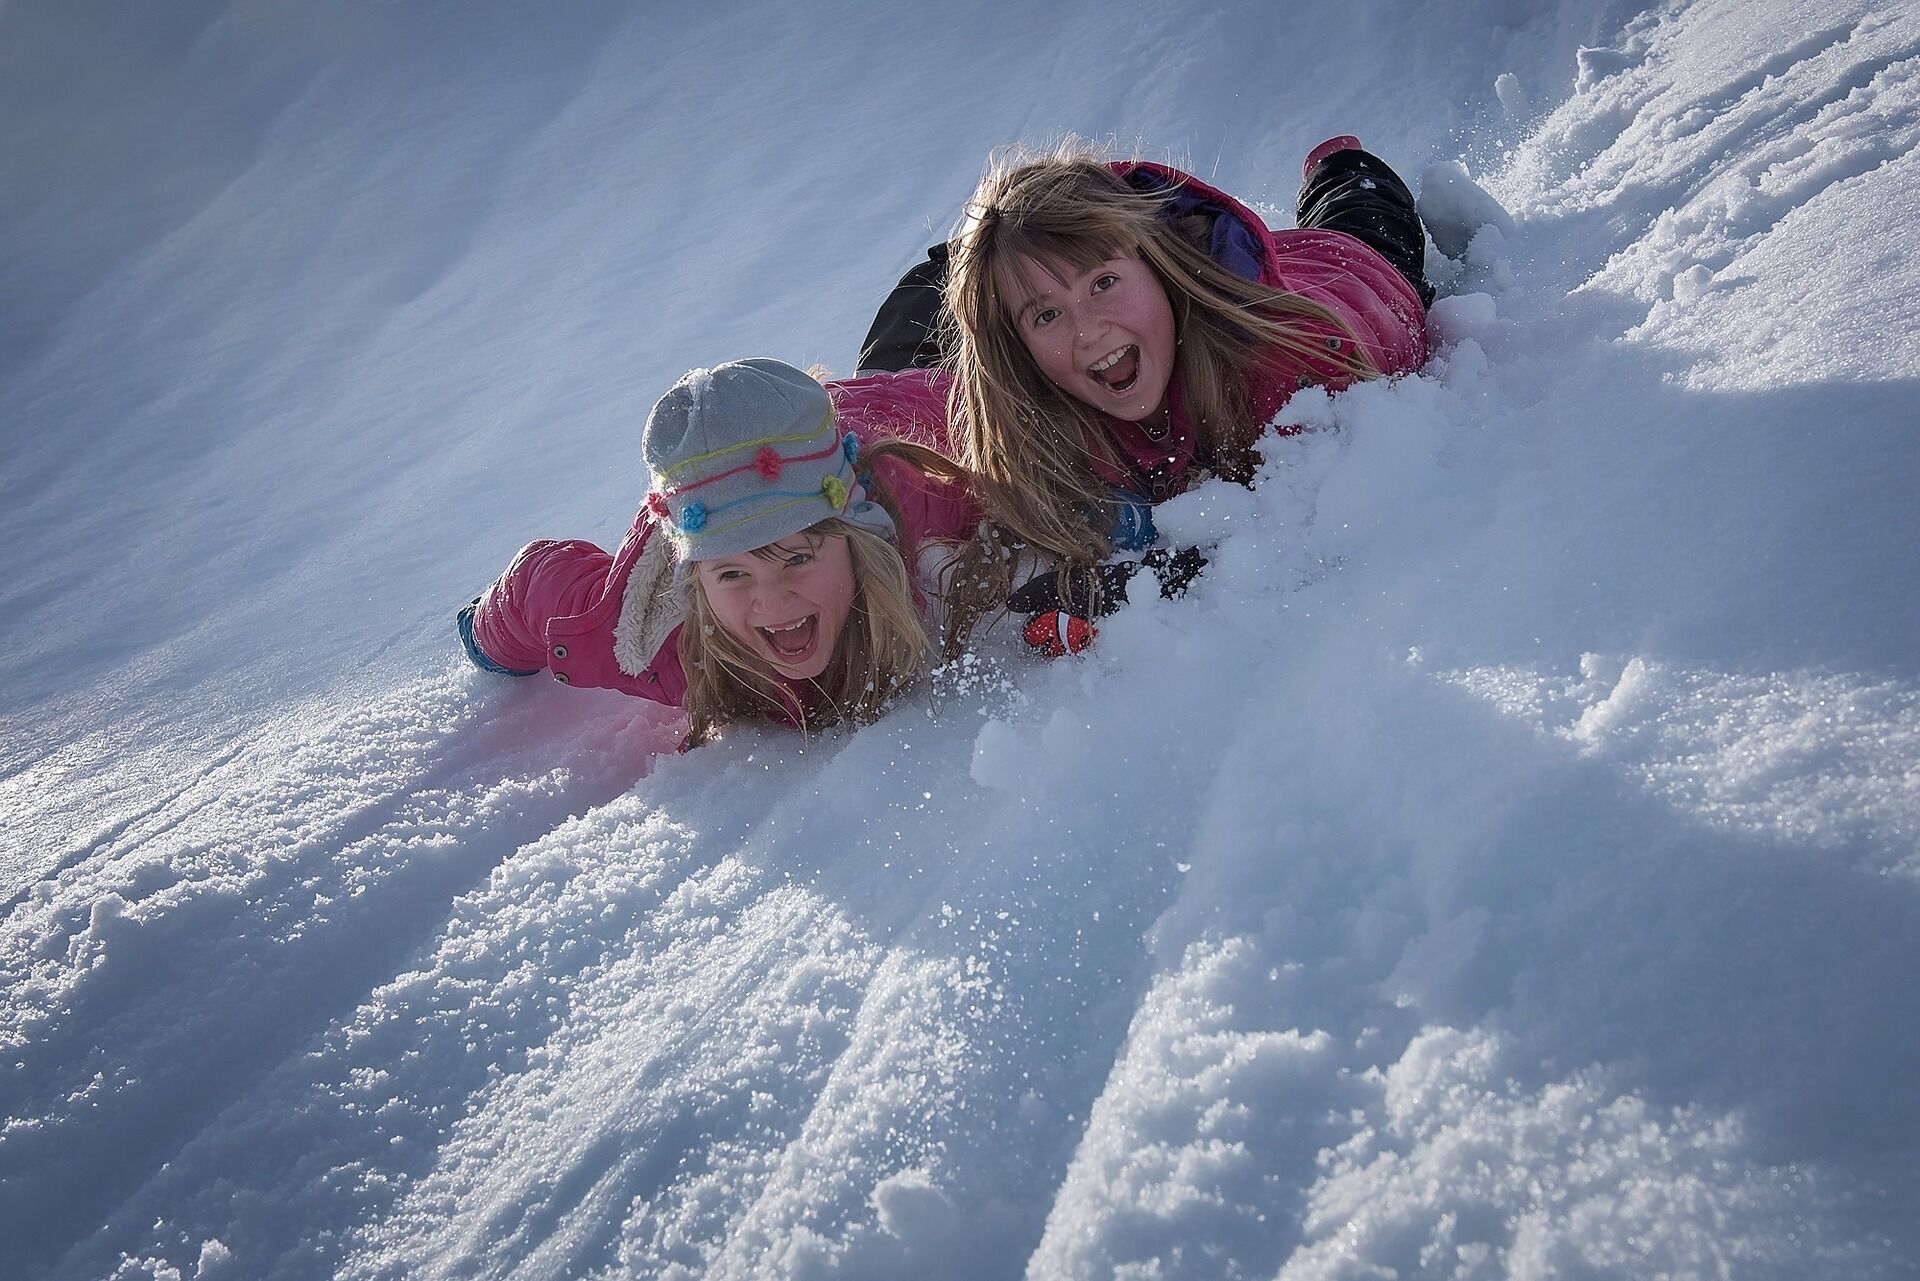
[882, 649]
[1031, 446]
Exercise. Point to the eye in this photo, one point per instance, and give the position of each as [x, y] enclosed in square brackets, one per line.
[1044, 317]
[730, 575]
[1104, 281]
[798, 559]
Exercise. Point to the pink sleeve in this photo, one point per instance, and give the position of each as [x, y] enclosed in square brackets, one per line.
[910, 405]
[1374, 300]
[547, 580]
[929, 509]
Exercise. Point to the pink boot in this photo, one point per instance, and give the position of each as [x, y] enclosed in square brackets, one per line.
[1345, 142]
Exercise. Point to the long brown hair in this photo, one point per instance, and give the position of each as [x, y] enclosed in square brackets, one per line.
[882, 650]
[1030, 445]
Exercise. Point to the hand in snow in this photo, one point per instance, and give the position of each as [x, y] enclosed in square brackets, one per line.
[1175, 570]
[1055, 633]
[1097, 590]
[1089, 591]
[1061, 603]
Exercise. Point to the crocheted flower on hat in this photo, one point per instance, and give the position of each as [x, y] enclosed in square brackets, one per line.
[693, 518]
[836, 491]
[768, 462]
[850, 446]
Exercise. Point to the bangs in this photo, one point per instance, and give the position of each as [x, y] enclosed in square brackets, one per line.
[1065, 217]
[810, 539]
[1059, 254]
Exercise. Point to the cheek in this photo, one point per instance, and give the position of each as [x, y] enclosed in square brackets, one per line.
[833, 589]
[729, 609]
[1054, 358]
[1154, 313]
[842, 602]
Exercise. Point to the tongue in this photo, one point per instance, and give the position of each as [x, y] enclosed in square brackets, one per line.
[1121, 374]
[794, 641]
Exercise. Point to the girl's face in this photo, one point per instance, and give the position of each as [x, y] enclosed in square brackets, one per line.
[1103, 335]
[786, 602]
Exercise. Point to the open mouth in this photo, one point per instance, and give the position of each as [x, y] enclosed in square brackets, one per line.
[792, 642]
[1118, 370]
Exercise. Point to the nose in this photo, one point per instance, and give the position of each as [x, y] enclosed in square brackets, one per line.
[773, 603]
[1088, 323]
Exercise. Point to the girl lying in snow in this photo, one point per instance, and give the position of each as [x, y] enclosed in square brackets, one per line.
[791, 514]
[1119, 330]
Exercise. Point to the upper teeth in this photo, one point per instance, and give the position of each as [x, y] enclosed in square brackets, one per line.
[1111, 359]
[787, 627]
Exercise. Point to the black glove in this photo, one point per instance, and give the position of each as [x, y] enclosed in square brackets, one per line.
[1175, 570]
[1076, 590]
[1094, 591]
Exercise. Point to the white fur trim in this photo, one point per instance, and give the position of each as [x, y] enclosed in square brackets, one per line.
[932, 577]
[651, 606]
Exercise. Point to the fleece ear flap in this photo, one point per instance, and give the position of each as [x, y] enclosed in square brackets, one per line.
[651, 606]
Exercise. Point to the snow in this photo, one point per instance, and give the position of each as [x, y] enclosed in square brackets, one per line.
[1502, 863]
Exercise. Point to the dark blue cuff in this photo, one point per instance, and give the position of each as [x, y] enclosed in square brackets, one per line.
[463, 623]
[1132, 529]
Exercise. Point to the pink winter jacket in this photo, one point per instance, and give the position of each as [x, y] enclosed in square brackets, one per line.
[594, 619]
[1339, 271]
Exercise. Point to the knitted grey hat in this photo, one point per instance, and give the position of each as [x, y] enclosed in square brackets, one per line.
[746, 454]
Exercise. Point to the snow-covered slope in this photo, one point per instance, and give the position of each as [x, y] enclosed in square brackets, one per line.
[1503, 863]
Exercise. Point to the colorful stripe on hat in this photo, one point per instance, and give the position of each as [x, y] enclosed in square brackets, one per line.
[696, 520]
[826, 424]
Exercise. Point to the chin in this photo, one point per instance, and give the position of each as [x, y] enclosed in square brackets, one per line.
[811, 669]
[1141, 413]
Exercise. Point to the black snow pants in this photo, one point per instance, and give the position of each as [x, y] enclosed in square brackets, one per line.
[1357, 192]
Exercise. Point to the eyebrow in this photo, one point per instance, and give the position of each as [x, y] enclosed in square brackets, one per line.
[781, 549]
[1035, 299]
[1071, 268]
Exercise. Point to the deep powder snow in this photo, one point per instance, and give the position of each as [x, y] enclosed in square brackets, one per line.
[1504, 863]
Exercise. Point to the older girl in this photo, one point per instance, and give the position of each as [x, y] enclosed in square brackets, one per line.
[1121, 328]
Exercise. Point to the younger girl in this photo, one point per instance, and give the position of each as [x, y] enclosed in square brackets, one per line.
[1118, 330]
[768, 572]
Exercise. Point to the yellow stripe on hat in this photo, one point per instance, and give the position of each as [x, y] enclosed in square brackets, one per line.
[826, 424]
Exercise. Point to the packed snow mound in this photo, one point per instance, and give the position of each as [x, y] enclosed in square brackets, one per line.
[1501, 863]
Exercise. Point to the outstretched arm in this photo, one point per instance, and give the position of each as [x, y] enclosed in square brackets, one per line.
[505, 628]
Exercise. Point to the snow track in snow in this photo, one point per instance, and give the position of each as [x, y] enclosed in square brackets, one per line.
[204, 942]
